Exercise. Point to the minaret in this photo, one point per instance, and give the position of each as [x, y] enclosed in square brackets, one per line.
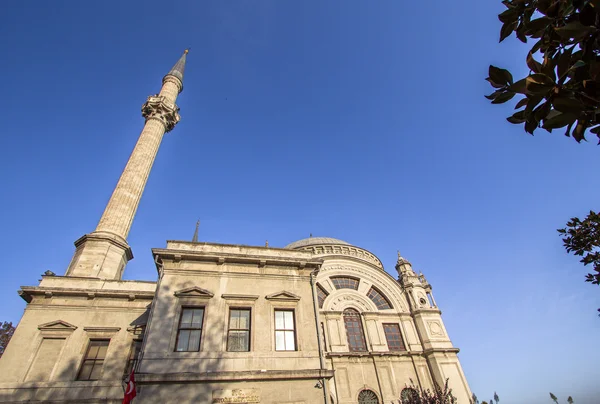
[105, 252]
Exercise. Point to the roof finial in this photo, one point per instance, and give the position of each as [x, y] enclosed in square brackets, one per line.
[195, 238]
[266, 243]
[310, 236]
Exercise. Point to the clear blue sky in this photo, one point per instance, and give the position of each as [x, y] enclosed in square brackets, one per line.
[363, 121]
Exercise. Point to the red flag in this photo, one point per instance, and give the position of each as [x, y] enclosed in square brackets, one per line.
[130, 392]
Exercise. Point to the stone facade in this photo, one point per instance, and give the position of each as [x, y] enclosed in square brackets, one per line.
[319, 321]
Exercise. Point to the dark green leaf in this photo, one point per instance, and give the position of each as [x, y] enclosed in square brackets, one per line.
[494, 94]
[517, 117]
[566, 104]
[521, 103]
[559, 121]
[519, 87]
[534, 100]
[507, 29]
[542, 111]
[508, 15]
[579, 63]
[595, 130]
[564, 62]
[530, 126]
[535, 28]
[502, 98]
[495, 85]
[539, 83]
[579, 131]
[574, 29]
[500, 76]
[533, 64]
[520, 32]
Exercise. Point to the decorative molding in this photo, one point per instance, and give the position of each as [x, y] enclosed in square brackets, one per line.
[339, 249]
[283, 295]
[159, 108]
[57, 325]
[102, 329]
[346, 298]
[239, 297]
[194, 291]
[101, 332]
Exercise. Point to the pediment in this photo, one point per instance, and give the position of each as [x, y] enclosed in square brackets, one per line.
[194, 292]
[283, 295]
[57, 325]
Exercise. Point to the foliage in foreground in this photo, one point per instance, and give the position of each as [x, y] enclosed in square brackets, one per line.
[562, 88]
[416, 395]
[494, 400]
[6, 332]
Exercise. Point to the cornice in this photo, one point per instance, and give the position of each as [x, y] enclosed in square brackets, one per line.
[221, 258]
[27, 293]
[441, 350]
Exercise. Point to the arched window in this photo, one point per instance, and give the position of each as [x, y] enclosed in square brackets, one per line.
[409, 395]
[354, 331]
[367, 397]
[321, 295]
[379, 299]
[345, 282]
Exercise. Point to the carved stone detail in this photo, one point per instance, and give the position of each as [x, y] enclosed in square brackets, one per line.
[159, 108]
[435, 328]
[344, 250]
[341, 302]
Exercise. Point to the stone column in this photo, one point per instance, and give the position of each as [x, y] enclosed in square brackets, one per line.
[104, 252]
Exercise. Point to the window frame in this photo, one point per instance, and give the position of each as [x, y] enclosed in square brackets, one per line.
[333, 278]
[179, 329]
[321, 292]
[378, 293]
[355, 313]
[249, 329]
[387, 339]
[284, 330]
[93, 361]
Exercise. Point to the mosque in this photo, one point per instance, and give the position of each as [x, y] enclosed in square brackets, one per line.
[317, 321]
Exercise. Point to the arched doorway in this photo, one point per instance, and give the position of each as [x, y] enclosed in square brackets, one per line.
[367, 397]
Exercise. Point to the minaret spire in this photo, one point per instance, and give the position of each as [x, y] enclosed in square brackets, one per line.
[195, 238]
[178, 69]
[104, 252]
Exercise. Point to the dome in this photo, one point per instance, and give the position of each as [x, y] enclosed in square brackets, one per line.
[315, 241]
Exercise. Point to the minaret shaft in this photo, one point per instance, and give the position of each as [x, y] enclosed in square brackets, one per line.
[120, 210]
[105, 252]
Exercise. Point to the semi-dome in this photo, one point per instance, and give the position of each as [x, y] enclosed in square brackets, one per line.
[315, 241]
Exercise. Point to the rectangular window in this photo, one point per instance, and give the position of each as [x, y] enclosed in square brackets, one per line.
[285, 335]
[238, 335]
[393, 337]
[91, 369]
[190, 329]
[134, 353]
